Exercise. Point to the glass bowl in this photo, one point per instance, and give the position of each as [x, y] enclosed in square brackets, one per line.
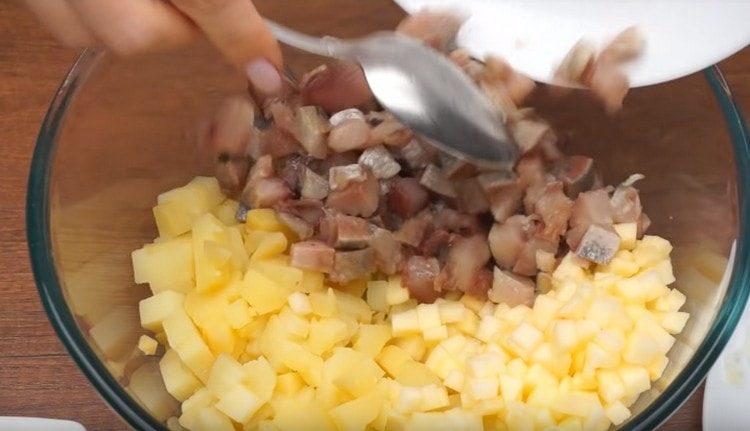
[118, 133]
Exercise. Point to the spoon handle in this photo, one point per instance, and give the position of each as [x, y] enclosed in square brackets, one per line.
[326, 46]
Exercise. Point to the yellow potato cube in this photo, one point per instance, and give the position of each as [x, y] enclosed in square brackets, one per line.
[325, 334]
[671, 301]
[651, 250]
[207, 418]
[154, 309]
[147, 345]
[180, 382]
[289, 383]
[472, 303]
[355, 415]
[212, 253]
[370, 339]
[178, 208]
[673, 321]
[239, 403]
[519, 417]
[293, 324]
[323, 303]
[263, 294]
[544, 311]
[227, 212]
[628, 234]
[405, 323]
[238, 313]
[469, 324]
[434, 397]
[225, 373]
[308, 365]
[278, 269]
[611, 388]
[656, 369]
[414, 345]
[396, 293]
[524, 338]
[361, 379]
[451, 311]
[617, 413]
[376, 295]
[263, 219]
[185, 339]
[260, 377]
[299, 303]
[166, 265]
[435, 333]
[635, 378]
[353, 305]
[270, 245]
[577, 403]
[295, 414]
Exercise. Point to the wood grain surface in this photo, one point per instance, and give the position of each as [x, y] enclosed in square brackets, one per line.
[37, 377]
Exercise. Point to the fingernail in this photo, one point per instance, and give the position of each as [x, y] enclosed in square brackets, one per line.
[264, 77]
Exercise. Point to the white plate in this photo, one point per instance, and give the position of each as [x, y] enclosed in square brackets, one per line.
[15, 423]
[682, 36]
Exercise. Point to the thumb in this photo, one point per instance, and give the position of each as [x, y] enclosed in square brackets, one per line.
[241, 34]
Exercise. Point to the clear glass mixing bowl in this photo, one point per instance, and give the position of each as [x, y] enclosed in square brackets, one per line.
[120, 132]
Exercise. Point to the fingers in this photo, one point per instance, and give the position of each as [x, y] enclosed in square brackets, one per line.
[135, 26]
[60, 18]
[239, 32]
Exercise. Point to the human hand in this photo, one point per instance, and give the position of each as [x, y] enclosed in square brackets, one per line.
[129, 27]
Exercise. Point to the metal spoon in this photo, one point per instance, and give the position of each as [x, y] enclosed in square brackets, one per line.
[424, 90]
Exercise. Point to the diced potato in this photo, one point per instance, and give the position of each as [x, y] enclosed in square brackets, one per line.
[671, 301]
[178, 208]
[325, 334]
[617, 413]
[260, 377]
[185, 339]
[263, 294]
[415, 345]
[370, 339]
[227, 212]
[180, 382]
[628, 234]
[360, 380]
[289, 383]
[323, 303]
[238, 313]
[405, 323]
[166, 265]
[263, 219]
[308, 365]
[294, 414]
[635, 378]
[154, 309]
[396, 293]
[651, 250]
[239, 403]
[147, 345]
[673, 321]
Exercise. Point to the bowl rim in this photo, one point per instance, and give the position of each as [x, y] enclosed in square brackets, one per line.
[64, 323]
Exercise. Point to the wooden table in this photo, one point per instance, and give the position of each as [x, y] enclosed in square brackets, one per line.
[37, 378]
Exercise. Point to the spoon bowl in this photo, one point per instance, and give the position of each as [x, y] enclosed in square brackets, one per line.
[423, 90]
